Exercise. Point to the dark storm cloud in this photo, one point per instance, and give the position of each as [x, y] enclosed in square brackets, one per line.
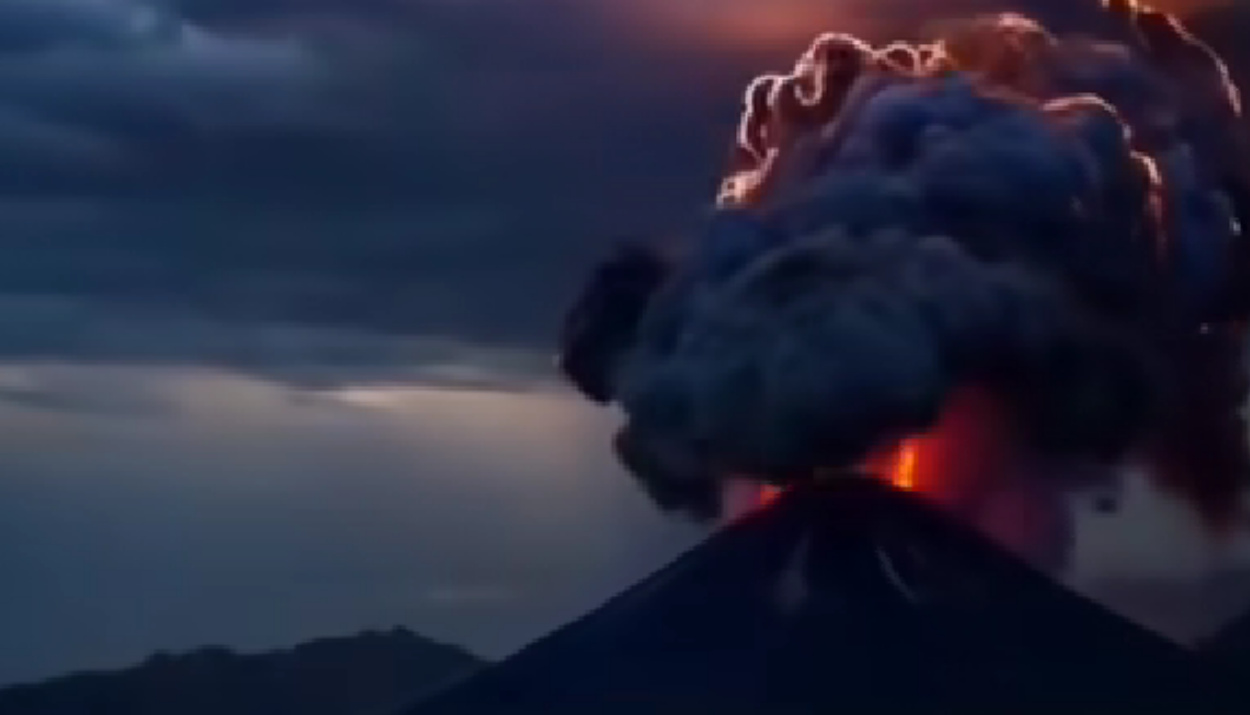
[171, 105]
[50, 330]
[455, 100]
[261, 163]
[399, 167]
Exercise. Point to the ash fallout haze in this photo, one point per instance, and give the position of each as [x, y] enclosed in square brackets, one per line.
[282, 281]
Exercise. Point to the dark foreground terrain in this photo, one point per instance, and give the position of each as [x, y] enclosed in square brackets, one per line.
[360, 675]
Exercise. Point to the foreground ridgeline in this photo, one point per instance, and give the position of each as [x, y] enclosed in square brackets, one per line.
[361, 675]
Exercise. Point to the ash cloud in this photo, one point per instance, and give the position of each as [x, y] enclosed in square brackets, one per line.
[1052, 218]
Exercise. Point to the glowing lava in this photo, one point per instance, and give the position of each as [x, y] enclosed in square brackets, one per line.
[904, 474]
[768, 495]
[901, 466]
[973, 464]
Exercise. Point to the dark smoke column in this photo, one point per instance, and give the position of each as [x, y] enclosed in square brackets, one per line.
[1053, 221]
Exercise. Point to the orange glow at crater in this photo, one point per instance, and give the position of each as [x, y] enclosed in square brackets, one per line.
[904, 475]
[768, 495]
[971, 463]
[967, 448]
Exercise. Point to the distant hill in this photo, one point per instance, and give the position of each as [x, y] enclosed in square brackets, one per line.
[359, 675]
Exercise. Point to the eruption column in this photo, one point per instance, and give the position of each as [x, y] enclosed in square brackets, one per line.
[984, 265]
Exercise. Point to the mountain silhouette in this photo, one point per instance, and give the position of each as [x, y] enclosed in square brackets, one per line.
[362, 675]
[1230, 649]
[845, 598]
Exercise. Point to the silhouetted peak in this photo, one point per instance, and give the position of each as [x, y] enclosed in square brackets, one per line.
[843, 597]
[372, 671]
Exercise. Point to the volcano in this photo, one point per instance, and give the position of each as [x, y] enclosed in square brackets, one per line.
[846, 597]
[1230, 649]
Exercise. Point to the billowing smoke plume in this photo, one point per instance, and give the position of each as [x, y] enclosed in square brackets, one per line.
[1055, 221]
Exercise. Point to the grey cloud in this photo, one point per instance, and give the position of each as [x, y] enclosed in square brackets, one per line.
[470, 271]
[395, 110]
[184, 103]
[232, 177]
[57, 391]
[51, 331]
[247, 172]
[36, 152]
[39, 24]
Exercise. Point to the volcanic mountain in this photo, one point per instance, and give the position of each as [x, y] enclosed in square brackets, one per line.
[851, 597]
[1230, 650]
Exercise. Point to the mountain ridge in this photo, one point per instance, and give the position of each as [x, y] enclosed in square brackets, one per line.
[371, 672]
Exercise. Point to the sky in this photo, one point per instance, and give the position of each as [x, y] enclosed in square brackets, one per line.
[279, 281]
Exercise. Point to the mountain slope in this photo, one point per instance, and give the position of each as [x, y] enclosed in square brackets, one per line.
[852, 598]
[1230, 648]
[359, 675]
